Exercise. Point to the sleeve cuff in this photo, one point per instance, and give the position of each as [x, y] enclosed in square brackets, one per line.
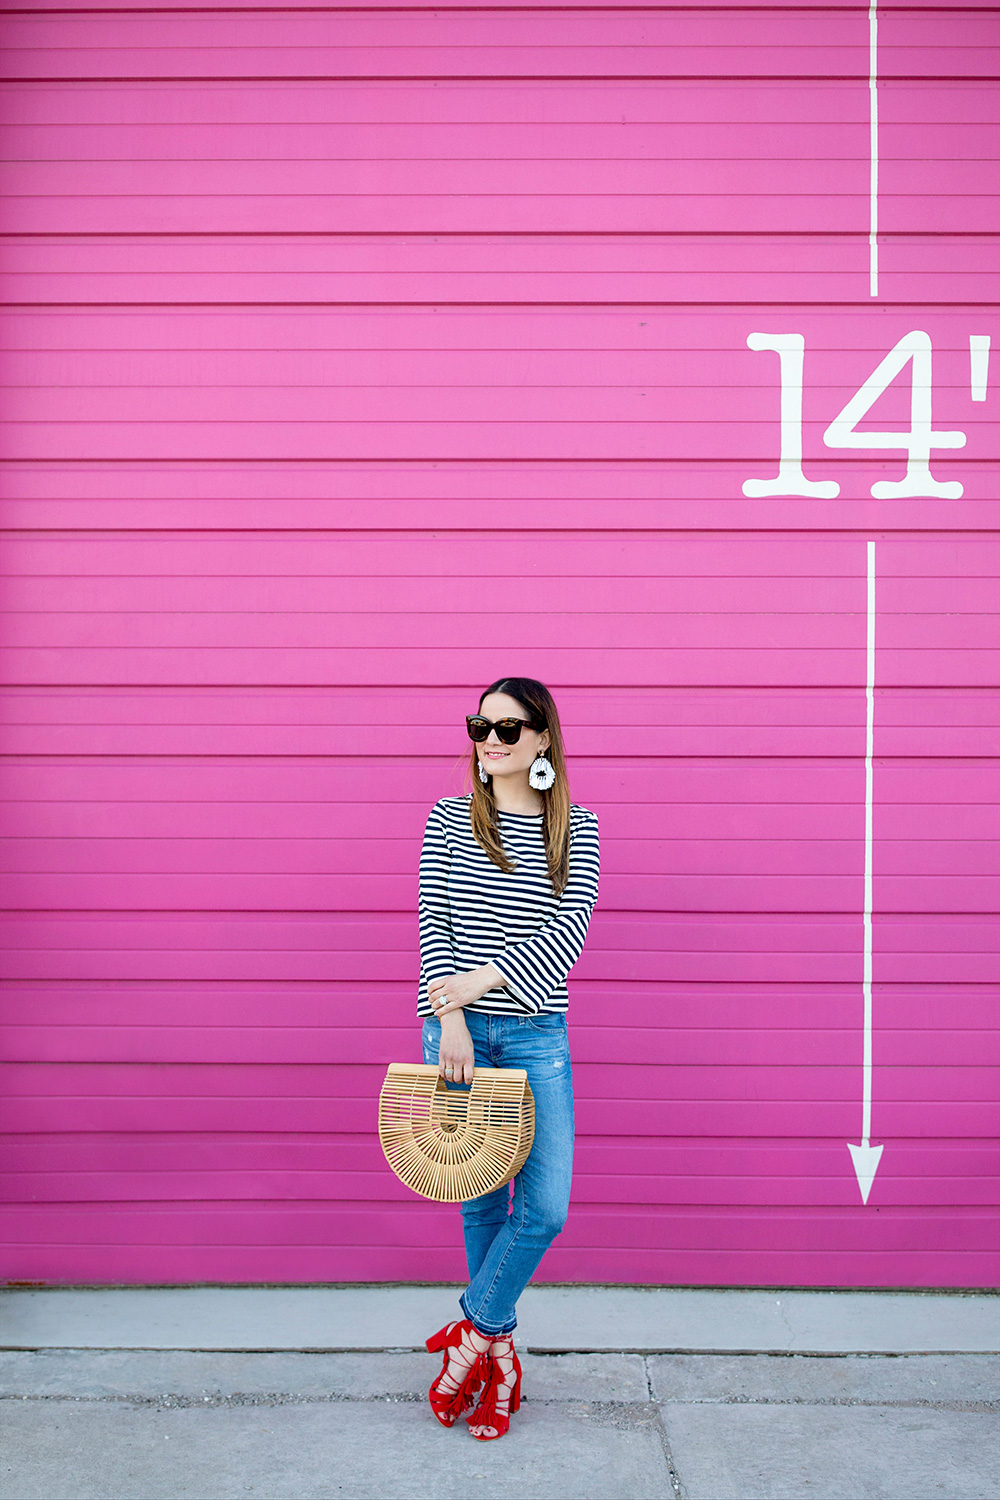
[530, 1006]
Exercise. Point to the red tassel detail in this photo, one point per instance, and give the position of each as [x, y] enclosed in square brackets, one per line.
[448, 1406]
[488, 1412]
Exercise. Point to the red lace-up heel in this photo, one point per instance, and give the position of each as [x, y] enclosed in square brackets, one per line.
[501, 1395]
[462, 1373]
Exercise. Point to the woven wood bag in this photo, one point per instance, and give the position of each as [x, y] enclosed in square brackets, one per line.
[451, 1144]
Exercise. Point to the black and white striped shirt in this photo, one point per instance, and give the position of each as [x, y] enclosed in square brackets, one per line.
[472, 913]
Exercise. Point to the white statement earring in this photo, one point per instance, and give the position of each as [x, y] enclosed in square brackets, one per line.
[542, 774]
[484, 778]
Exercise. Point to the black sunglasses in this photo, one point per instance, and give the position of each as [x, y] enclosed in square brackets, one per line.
[508, 730]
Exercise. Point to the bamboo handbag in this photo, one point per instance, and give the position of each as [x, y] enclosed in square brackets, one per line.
[455, 1144]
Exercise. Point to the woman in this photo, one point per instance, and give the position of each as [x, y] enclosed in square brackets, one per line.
[508, 879]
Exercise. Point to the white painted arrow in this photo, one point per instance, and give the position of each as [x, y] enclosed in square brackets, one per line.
[866, 1159]
[866, 1156]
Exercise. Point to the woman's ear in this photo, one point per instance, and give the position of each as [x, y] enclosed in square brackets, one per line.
[543, 743]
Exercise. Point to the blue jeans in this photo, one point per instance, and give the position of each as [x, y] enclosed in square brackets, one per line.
[505, 1239]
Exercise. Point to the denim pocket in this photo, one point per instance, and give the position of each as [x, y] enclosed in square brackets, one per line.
[550, 1022]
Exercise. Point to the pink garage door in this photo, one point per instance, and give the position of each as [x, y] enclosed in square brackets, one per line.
[354, 359]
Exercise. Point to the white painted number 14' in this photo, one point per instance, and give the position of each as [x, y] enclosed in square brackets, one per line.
[917, 443]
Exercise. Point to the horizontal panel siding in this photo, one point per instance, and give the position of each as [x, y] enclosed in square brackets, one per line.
[719, 1015]
[40, 7]
[314, 334]
[677, 44]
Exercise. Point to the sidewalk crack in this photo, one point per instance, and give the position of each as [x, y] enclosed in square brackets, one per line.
[660, 1426]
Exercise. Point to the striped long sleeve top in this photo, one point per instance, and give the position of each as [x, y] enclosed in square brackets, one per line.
[472, 913]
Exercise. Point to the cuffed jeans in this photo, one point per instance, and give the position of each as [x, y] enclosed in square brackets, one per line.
[507, 1232]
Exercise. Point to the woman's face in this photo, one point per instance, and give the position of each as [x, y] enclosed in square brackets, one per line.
[509, 760]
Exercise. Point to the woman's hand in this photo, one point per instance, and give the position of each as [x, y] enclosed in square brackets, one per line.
[448, 997]
[458, 990]
[456, 1055]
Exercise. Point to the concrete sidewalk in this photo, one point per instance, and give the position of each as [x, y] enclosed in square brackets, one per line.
[551, 1319]
[106, 1419]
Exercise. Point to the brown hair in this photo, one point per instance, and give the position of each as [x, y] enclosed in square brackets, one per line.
[538, 704]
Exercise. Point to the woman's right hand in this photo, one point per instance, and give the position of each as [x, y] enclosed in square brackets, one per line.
[456, 1051]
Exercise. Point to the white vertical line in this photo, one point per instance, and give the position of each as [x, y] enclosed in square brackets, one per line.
[979, 364]
[873, 148]
[866, 1125]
